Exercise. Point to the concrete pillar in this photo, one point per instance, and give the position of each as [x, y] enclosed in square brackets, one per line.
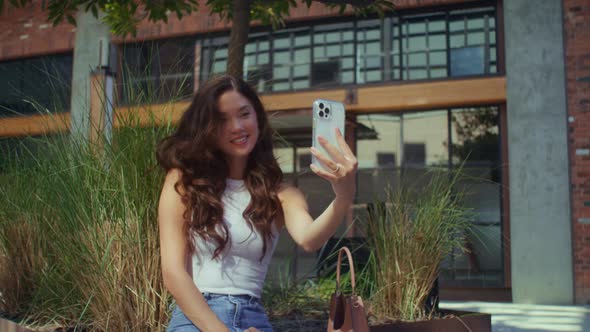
[89, 32]
[540, 223]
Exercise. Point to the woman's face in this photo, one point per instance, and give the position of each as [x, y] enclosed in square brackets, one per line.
[238, 133]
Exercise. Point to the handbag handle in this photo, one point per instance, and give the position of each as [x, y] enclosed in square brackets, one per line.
[350, 263]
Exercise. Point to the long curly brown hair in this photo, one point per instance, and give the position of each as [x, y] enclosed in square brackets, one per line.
[192, 149]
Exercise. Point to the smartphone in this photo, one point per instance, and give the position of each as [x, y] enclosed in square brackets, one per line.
[327, 116]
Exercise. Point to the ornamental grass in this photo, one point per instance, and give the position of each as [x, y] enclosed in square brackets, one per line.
[78, 230]
[409, 234]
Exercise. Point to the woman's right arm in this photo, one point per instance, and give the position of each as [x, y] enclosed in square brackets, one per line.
[173, 250]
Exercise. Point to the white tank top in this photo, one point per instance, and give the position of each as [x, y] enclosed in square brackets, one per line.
[238, 269]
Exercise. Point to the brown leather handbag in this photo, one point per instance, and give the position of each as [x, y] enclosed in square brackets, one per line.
[347, 312]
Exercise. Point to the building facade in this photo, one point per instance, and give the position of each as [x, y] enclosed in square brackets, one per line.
[501, 85]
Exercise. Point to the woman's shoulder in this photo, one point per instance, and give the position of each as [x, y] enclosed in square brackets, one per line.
[174, 177]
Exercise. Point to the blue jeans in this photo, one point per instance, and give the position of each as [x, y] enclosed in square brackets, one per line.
[237, 312]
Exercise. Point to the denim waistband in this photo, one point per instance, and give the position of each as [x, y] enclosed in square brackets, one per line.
[251, 299]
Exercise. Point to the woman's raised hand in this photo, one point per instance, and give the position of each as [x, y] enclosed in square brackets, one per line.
[342, 166]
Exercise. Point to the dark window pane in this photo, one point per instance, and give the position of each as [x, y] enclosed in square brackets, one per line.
[475, 136]
[325, 73]
[386, 159]
[35, 85]
[157, 71]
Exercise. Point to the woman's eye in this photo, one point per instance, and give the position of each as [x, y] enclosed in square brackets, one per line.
[245, 114]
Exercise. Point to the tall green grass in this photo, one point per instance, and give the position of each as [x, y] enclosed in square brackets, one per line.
[409, 234]
[78, 230]
[78, 233]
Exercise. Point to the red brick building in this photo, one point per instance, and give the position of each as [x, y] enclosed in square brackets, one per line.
[576, 20]
[412, 82]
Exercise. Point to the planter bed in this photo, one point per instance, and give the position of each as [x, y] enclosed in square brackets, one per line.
[451, 321]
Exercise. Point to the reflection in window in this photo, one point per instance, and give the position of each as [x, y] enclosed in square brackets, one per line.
[369, 54]
[424, 47]
[30, 86]
[333, 57]
[377, 135]
[158, 71]
[424, 138]
[291, 59]
[257, 69]
[442, 139]
[475, 136]
[472, 42]
[407, 47]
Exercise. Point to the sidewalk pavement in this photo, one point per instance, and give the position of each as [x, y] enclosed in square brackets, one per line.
[514, 317]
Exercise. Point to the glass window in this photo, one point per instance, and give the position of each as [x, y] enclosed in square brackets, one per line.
[424, 137]
[34, 85]
[282, 57]
[280, 72]
[377, 135]
[407, 47]
[370, 52]
[423, 37]
[159, 71]
[302, 40]
[282, 42]
[404, 146]
[333, 46]
[475, 136]
[417, 60]
[437, 58]
[257, 70]
[472, 42]
[437, 42]
[467, 61]
[475, 144]
[434, 26]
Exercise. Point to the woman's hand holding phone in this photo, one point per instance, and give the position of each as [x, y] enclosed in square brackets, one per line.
[340, 166]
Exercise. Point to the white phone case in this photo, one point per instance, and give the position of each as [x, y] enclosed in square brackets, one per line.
[327, 116]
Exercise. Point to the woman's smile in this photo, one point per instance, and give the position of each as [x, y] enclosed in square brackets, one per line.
[241, 140]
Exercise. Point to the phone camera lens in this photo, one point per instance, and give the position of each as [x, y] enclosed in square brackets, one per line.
[327, 110]
[321, 114]
[321, 105]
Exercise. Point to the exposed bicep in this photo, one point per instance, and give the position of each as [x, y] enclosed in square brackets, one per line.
[170, 222]
[296, 213]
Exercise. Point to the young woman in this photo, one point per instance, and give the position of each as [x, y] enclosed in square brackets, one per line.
[223, 205]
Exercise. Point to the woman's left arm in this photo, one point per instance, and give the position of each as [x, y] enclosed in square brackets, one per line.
[312, 234]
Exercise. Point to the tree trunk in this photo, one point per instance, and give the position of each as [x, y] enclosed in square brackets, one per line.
[238, 37]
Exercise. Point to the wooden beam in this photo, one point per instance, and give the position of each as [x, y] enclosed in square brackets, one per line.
[398, 96]
[299, 100]
[431, 95]
[146, 115]
[34, 124]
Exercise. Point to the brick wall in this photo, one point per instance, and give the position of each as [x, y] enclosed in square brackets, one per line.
[577, 50]
[26, 33]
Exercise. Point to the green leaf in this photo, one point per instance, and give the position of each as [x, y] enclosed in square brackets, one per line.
[71, 19]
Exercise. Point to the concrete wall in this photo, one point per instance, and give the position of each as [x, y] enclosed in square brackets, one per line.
[541, 247]
[86, 58]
